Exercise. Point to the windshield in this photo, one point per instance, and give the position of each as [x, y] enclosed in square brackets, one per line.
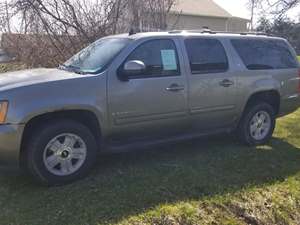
[97, 56]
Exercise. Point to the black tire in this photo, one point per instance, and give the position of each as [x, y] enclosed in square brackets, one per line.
[41, 136]
[243, 131]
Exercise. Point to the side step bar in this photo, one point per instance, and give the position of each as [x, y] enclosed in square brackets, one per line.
[117, 147]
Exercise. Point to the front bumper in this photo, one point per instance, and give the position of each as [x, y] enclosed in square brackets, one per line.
[10, 144]
[289, 104]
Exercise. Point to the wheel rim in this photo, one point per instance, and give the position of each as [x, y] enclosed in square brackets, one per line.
[64, 154]
[260, 125]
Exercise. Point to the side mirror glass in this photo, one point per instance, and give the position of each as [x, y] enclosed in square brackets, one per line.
[131, 68]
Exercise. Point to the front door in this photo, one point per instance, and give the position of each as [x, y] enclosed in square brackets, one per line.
[153, 102]
[212, 84]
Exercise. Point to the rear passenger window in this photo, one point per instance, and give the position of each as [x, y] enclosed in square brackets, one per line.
[264, 54]
[206, 56]
[159, 56]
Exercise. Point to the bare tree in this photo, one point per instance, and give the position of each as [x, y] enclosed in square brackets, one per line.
[59, 27]
[85, 19]
[281, 7]
[253, 5]
[149, 15]
[62, 27]
[274, 8]
[5, 17]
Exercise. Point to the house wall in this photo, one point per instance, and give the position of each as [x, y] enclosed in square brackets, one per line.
[189, 22]
[186, 22]
[238, 25]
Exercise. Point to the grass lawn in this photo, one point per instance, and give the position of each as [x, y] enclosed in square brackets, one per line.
[207, 181]
[299, 58]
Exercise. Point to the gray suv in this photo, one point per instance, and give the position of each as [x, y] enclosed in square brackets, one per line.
[137, 90]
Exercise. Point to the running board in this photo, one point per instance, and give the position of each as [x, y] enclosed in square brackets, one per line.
[145, 144]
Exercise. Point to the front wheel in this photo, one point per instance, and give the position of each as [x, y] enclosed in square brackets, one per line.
[60, 152]
[257, 124]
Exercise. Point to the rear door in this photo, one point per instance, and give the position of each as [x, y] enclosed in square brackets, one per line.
[154, 102]
[212, 84]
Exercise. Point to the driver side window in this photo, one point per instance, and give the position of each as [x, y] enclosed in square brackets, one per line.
[159, 56]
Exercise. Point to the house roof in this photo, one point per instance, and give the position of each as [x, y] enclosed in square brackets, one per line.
[200, 8]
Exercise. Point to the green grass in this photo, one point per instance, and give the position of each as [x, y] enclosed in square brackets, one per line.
[299, 58]
[207, 181]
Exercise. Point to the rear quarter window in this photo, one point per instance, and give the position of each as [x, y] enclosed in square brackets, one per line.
[262, 54]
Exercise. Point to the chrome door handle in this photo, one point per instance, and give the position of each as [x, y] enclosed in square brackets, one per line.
[175, 88]
[226, 83]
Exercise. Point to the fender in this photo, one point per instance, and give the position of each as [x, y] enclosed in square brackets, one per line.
[260, 86]
[267, 84]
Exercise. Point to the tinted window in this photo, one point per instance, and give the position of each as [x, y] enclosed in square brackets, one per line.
[264, 54]
[159, 56]
[206, 56]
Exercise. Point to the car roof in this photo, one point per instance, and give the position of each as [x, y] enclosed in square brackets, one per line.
[195, 33]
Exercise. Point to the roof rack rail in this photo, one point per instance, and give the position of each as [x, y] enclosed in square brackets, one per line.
[204, 30]
[208, 31]
[175, 31]
[134, 30]
[242, 33]
[254, 33]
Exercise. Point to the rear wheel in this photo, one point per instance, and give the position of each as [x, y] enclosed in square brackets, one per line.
[60, 152]
[257, 124]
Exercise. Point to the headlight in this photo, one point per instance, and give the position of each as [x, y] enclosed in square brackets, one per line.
[3, 111]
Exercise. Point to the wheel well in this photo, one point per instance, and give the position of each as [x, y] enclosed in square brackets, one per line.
[272, 97]
[85, 117]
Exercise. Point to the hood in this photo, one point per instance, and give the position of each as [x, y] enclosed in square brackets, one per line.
[21, 78]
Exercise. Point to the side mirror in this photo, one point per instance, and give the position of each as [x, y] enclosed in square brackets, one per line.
[131, 68]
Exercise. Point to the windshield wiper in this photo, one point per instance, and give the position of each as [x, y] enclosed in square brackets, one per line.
[71, 68]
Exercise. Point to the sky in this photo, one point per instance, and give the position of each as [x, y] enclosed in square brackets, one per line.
[238, 8]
